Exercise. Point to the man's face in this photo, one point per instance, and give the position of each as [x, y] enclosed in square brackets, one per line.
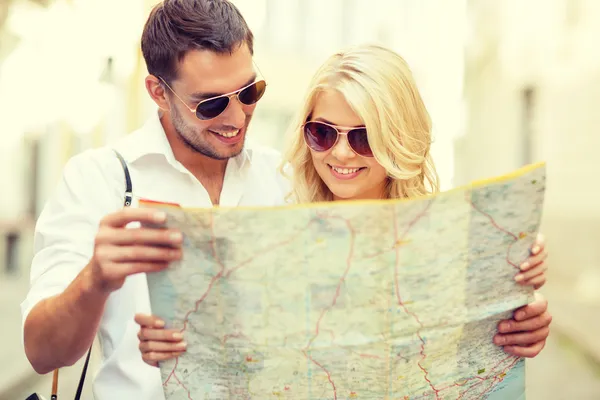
[203, 74]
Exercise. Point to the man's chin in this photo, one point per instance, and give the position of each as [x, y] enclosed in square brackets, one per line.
[220, 151]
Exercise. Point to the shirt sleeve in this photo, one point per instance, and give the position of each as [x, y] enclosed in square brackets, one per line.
[63, 243]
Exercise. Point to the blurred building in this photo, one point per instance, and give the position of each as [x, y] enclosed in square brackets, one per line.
[65, 85]
[532, 89]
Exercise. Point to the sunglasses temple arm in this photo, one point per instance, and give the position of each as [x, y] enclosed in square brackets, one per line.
[176, 95]
[259, 71]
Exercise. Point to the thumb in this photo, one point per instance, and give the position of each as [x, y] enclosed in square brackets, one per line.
[149, 321]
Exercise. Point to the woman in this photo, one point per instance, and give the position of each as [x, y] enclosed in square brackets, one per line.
[365, 89]
[364, 133]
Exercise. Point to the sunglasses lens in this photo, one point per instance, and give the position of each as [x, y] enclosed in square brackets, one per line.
[319, 137]
[252, 93]
[212, 108]
[358, 140]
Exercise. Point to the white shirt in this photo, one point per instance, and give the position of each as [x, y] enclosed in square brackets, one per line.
[92, 186]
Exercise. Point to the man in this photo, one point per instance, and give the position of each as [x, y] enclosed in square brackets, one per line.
[87, 272]
[194, 50]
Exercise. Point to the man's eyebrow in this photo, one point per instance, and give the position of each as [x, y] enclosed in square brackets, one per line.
[207, 95]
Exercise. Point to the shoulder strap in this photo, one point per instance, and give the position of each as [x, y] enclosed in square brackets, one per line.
[83, 373]
[127, 202]
[128, 186]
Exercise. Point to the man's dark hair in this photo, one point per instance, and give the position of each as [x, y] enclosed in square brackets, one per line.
[176, 27]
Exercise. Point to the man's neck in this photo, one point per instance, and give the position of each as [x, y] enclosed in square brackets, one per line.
[210, 173]
[201, 166]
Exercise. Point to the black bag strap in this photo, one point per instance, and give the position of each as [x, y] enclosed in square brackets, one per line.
[127, 202]
[83, 373]
[128, 186]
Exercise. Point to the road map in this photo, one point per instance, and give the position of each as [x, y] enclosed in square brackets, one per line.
[351, 300]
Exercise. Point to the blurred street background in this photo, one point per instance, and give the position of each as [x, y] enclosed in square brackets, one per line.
[507, 82]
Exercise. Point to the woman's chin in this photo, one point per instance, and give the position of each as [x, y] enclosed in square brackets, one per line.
[346, 195]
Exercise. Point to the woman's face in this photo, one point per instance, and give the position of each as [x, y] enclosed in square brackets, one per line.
[348, 175]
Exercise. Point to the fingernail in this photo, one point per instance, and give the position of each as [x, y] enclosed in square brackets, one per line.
[160, 216]
[505, 326]
[176, 254]
[182, 345]
[159, 324]
[499, 339]
[519, 277]
[535, 250]
[520, 315]
[176, 237]
[177, 336]
[525, 266]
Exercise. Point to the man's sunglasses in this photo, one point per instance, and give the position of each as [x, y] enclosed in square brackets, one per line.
[213, 107]
[320, 136]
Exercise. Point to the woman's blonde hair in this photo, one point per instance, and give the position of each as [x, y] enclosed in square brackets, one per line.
[378, 85]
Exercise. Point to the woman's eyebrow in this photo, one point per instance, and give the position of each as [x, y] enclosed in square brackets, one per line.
[331, 123]
[324, 120]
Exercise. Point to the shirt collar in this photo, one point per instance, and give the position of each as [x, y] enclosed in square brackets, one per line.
[151, 139]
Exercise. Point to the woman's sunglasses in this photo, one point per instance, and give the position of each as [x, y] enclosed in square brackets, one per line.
[213, 107]
[320, 136]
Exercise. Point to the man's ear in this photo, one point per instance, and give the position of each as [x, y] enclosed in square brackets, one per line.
[157, 92]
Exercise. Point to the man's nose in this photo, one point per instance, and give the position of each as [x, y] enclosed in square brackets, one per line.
[342, 150]
[234, 115]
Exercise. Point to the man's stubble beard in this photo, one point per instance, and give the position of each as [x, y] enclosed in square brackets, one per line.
[194, 141]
